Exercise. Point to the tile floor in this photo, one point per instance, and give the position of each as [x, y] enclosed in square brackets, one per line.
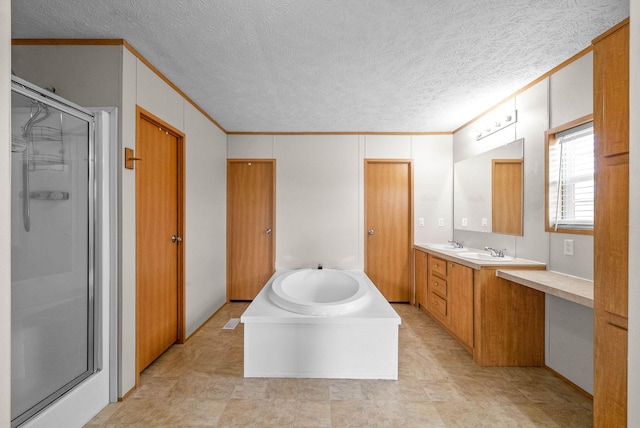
[201, 384]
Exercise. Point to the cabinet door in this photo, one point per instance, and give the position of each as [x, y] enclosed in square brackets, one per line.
[610, 386]
[420, 278]
[460, 283]
[611, 238]
[611, 93]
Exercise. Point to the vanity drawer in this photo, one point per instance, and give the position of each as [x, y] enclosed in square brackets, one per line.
[438, 266]
[438, 286]
[438, 305]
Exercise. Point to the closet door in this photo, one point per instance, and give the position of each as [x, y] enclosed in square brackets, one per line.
[250, 226]
[388, 198]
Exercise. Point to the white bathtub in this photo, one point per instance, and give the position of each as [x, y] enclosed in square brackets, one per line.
[325, 324]
[320, 292]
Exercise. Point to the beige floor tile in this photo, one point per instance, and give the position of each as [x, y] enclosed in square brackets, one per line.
[349, 413]
[314, 389]
[345, 389]
[201, 384]
[240, 412]
[277, 413]
[283, 389]
[313, 413]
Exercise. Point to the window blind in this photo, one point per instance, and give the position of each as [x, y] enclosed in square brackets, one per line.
[571, 183]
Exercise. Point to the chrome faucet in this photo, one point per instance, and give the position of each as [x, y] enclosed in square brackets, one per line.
[456, 244]
[495, 253]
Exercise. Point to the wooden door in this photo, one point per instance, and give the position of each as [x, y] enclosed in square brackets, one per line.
[158, 239]
[250, 226]
[388, 199]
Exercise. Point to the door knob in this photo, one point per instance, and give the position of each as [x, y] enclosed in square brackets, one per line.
[370, 231]
[175, 238]
[268, 231]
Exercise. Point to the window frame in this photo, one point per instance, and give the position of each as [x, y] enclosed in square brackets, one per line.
[550, 140]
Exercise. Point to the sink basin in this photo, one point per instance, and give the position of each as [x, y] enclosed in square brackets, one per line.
[485, 257]
[448, 247]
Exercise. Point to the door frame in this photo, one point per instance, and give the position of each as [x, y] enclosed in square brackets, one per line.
[229, 214]
[409, 163]
[142, 114]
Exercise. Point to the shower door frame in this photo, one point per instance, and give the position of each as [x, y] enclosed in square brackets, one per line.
[94, 339]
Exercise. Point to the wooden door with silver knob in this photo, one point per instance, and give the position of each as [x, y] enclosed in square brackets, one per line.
[388, 220]
[250, 226]
[159, 287]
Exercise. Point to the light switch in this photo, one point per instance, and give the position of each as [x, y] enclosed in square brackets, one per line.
[484, 222]
[421, 222]
[464, 222]
[440, 222]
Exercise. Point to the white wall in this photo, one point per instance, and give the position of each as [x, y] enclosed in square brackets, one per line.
[317, 194]
[564, 96]
[206, 211]
[82, 74]
[5, 217]
[432, 187]
[320, 191]
[127, 222]
[634, 228]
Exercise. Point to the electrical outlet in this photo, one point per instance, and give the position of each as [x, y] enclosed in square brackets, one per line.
[464, 222]
[440, 222]
[421, 222]
[568, 247]
[485, 222]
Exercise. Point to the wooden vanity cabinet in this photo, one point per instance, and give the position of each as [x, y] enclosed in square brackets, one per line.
[508, 322]
[611, 225]
[499, 322]
[450, 298]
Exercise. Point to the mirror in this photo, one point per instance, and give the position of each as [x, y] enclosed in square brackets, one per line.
[475, 206]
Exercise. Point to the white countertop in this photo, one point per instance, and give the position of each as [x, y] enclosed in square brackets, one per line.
[453, 256]
[574, 289]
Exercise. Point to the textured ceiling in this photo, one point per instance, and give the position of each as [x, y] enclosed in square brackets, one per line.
[331, 66]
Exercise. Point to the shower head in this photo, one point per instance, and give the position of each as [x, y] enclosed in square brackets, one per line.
[18, 144]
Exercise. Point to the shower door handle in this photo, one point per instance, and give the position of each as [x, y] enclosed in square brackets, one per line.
[175, 238]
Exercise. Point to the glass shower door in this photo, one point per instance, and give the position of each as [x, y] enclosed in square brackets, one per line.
[52, 278]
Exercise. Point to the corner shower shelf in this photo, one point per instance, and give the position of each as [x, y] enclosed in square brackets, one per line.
[47, 195]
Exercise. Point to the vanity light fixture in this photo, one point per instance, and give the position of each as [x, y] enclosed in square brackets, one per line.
[495, 125]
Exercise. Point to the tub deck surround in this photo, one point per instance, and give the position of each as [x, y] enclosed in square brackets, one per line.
[574, 289]
[362, 344]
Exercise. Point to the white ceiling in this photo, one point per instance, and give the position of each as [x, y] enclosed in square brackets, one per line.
[332, 66]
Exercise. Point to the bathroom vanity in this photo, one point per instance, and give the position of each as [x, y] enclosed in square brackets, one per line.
[499, 322]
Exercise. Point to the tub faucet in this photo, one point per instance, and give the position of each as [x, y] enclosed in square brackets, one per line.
[495, 253]
[456, 244]
[319, 265]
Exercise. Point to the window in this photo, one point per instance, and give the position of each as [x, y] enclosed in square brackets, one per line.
[570, 184]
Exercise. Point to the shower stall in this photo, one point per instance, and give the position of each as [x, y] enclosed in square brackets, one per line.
[55, 299]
